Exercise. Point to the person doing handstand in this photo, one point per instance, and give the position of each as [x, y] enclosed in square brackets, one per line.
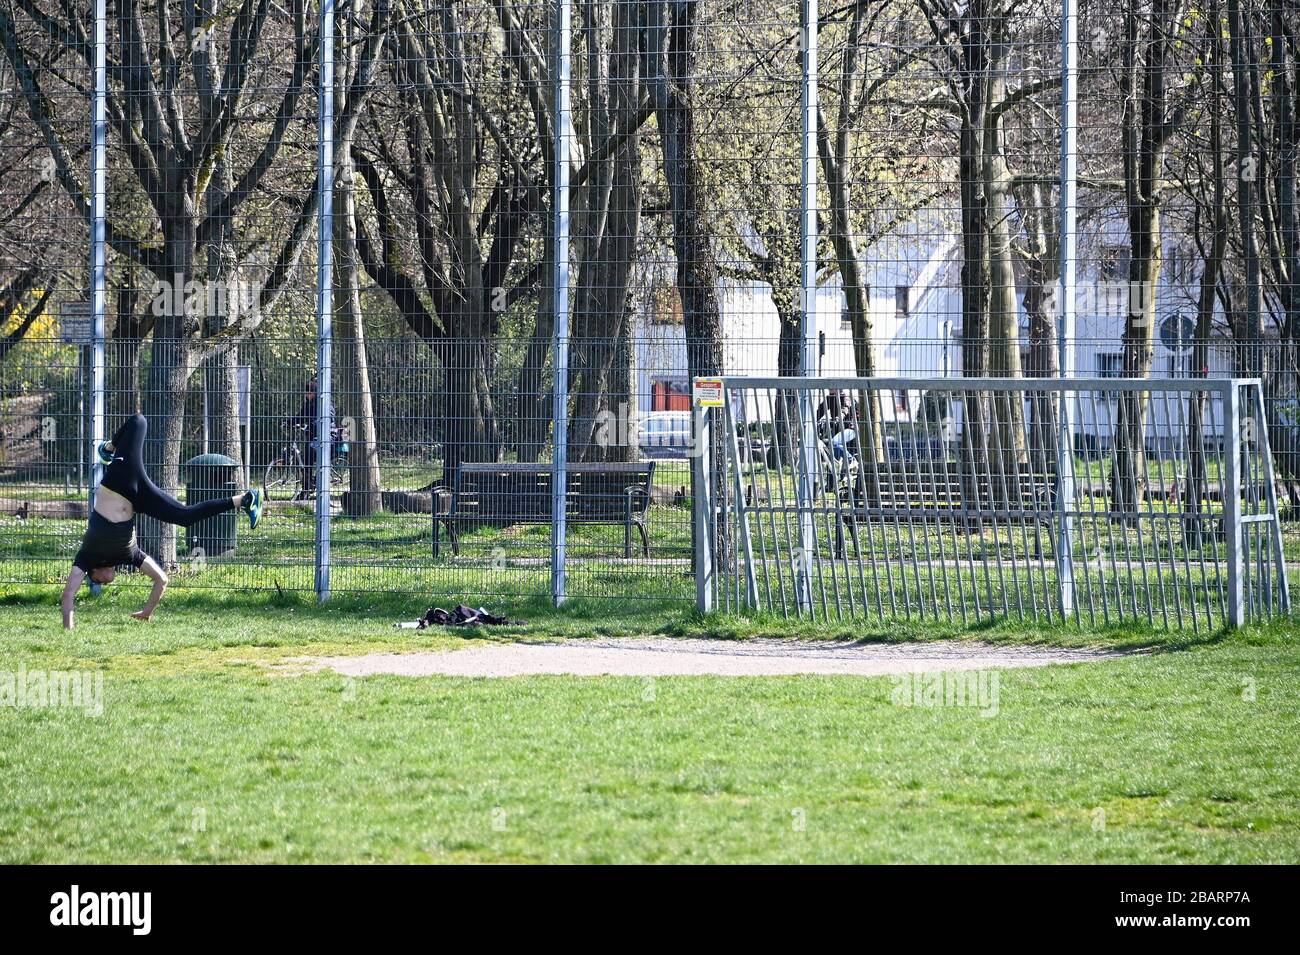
[124, 492]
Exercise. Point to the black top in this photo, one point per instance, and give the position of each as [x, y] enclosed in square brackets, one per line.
[309, 415]
[108, 544]
[840, 410]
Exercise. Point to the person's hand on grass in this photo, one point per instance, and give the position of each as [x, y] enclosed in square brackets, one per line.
[159, 577]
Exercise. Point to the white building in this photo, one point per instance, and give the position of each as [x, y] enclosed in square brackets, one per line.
[914, 275]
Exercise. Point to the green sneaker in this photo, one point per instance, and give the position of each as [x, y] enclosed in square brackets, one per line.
[104, 453]
[253, 504]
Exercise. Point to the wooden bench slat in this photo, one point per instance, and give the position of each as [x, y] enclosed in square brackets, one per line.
[513, 493]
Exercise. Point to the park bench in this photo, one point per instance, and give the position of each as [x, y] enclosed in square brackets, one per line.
[937, 489]
[932, 493]
[502, 494]
[929, 490]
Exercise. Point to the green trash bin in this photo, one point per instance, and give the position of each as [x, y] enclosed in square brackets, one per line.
[206, 477]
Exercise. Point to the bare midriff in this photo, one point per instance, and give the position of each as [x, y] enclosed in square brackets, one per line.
[112, 506]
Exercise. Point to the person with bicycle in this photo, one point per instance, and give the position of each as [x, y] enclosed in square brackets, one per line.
[837, 419]
[308, 419]
[838, 426]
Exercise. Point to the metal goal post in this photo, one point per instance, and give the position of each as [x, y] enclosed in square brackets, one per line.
[1094, 500]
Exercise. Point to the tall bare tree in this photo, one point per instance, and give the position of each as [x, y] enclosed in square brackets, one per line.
[358, 45]
[1150, 41]
[160, 64]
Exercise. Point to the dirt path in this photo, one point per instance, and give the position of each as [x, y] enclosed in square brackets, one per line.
[662, 656]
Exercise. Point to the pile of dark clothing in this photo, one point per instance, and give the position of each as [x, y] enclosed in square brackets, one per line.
[462, 616]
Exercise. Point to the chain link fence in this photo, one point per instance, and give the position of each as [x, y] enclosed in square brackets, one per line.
[426, 210]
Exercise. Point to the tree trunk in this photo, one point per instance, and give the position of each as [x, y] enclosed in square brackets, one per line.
[789, 353]
[1042, 273]
[1146, 131]
[122, 377]
[534, 418]
[974, 448]
[608, 223]
[837, 166]
[669, 78]
[356, 402]
[1195, 493]
[171, 363]
[223, 301]
[623, 382]
[122, 358]
[464, 429]
[1008, 430]
[1242, 50]
[1288, 148]
[1285, 71]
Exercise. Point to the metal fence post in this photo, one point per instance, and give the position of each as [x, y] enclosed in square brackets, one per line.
[703, 507]
[325, 298]
[808, 281]
[98, 216]
[1066, 292]
[1232, 478]
[560, 211]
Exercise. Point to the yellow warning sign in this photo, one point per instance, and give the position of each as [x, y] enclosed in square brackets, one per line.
[708, 392]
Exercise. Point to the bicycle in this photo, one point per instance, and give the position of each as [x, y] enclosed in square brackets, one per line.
[290, 467]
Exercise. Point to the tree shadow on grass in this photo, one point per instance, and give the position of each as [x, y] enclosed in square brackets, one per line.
[643, 616]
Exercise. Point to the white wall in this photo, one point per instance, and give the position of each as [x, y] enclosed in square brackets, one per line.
[904, 345]
[924, 255]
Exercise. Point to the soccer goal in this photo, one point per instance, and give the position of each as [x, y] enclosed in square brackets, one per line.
[1098, 501]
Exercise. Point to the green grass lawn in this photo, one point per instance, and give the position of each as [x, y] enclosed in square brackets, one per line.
[1183, 753]
[1144, 573]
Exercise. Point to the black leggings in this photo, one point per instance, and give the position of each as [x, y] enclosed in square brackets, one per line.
[126, 475]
